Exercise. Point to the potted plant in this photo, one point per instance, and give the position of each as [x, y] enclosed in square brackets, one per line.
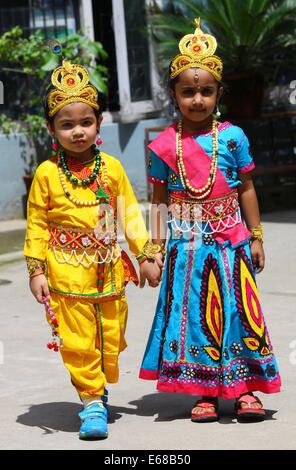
[256, 41]
[32, 58]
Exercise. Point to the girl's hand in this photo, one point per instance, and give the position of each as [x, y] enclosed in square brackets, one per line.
[151, 271]
[258, 256]
[159, 260]
[39, 287]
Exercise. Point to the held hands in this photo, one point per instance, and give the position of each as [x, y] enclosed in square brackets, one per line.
[39, 287]
[258, 256]
[152, 271]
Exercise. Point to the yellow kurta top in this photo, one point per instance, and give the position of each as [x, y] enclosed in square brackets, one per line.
[73, 272]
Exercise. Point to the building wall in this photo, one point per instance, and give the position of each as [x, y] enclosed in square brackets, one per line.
[126, 142]
[12, 187]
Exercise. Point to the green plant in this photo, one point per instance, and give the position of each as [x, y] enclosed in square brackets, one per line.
[251, 34]
[32, 59]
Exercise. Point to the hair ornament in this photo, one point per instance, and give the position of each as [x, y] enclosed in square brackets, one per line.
[197, 50]
[71, 83]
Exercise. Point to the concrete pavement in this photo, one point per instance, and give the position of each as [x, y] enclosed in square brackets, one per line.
[39, 406]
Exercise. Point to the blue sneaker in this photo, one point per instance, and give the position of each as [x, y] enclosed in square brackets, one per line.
[94, 422]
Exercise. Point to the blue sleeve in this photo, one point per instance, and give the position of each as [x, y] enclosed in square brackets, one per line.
[158, 170]
[242, 153]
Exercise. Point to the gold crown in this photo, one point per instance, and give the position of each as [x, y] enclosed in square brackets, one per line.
[197, 51]
[71, 84]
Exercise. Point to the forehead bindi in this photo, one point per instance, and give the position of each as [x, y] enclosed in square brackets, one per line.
[189, 78]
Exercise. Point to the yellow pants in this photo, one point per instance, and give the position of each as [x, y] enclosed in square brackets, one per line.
[93, 336]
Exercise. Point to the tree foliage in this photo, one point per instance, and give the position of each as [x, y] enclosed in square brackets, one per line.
[251, 34]
[32, 60]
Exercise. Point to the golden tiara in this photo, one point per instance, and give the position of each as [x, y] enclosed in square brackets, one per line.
[71, 83]
[197, 50]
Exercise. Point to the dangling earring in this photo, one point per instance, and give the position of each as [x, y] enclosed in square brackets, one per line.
[175, 112]
[217, 112]
[99, 140]
[54, 145]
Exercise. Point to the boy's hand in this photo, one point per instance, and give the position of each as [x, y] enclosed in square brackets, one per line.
[39, 287]
[150, 270]
[258, 256]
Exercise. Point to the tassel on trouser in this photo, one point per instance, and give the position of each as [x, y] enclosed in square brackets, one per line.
[93, 336]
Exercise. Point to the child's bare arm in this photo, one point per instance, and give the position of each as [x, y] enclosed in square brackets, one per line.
[152, 271]
[250, 212]
[159, 214]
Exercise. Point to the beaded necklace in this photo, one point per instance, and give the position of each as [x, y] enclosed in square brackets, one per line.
[203, 192]
[100, 194]
[85, 182]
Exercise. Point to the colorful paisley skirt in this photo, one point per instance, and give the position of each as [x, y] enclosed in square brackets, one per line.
[209, 336]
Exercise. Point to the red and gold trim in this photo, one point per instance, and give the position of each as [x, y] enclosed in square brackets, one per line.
[81, 240]
[212, 210]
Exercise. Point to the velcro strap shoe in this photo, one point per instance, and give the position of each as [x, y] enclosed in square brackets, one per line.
[94, 422]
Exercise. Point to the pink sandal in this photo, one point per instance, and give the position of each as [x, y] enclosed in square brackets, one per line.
[249, 412]
[205, 416]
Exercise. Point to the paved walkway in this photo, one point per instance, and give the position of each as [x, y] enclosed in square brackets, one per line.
[38, 406]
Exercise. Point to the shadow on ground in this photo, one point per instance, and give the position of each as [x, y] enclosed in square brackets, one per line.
[63, 416]
[170, 407]
[52, 417]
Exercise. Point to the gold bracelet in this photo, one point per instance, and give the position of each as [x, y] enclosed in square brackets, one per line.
[160, 248]
[33, 264]
[257, 233]
[150, 249]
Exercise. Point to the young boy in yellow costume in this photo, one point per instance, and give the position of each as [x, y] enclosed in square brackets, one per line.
[76, 267]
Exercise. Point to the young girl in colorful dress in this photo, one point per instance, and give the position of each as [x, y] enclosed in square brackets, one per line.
[209, 336]
[76, 267]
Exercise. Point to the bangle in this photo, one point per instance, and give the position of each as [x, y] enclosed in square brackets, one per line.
[162, 249]
[257, 233]
[142, 259]
[140, 256]
[150, 249]
[33, 264]
[35, 275]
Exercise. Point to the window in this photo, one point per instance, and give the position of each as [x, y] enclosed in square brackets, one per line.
[104, 33]
[56, 18]
[13, 13]
[120, 25]
[137, 81]
[138, 51]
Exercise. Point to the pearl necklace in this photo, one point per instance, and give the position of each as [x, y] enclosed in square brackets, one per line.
[76, 201]
[203, 192]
